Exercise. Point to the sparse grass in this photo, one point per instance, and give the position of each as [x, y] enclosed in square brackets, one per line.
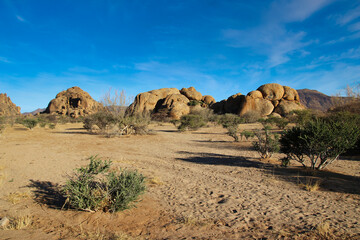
[98, 235]
[20, 222]
[17, 197]
[154, 181]
[311, 185]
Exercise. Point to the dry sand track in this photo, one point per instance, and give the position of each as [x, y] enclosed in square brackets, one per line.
[203, 186]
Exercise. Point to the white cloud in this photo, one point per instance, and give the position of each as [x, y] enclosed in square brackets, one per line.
[271, 38]
[349, 16]
[354, 27]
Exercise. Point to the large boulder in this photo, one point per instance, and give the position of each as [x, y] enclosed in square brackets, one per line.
[147, 102]
[73, 102]
[177, 105]
[7, 107]
[208, 99]
[291, 94]
[233, 103]
[272, 91]
[259, 106]
[286, 106]
[191, 93]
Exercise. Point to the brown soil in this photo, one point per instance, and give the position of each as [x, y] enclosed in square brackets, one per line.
[201, 186]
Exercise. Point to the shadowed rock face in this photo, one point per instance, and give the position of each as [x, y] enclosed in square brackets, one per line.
[168, 101]
[73, 102]
[7, 107]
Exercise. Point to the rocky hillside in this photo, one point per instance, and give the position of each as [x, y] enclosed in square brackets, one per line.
[316, 100]
[7, 107]
[73, 102]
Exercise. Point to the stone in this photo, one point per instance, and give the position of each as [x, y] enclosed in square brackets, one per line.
[233, 103]
[285, 107]
[177, 105]
[147, 102]
[191, 93]
[258, 106]
[291, 94]
[208, 99]
[255, 94]
[7, 107]
[73, 102]
[4, 222]
[272, 91]
[219, 107]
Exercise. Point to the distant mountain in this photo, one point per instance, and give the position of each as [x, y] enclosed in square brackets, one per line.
[316, 100]
[39, 110]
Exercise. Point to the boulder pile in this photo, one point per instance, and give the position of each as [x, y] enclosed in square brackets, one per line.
[7, 107]
[73, 102]
[170, 102]
[267, 99]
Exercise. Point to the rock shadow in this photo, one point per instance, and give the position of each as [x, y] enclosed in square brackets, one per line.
[47, 193]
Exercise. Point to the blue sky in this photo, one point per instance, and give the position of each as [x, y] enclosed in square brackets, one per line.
[221, 47]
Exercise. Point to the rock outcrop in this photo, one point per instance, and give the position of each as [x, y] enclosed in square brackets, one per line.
[267, 99]
[7, 107]
[168, 102]
[73, 102]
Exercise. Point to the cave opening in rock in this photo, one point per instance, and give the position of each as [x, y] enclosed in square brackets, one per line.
[74, 102]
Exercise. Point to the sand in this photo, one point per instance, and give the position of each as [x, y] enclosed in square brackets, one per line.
[201, 185]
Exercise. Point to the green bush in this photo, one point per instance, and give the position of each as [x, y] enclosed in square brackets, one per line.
[319, 142]
[194, 103]
[251, 117]
[231, 123]
[113, 125]
[279, 122]
[191, 122]
[94, 187]
[247, 134]
[267, 143]
[300, 117]
[30, 123]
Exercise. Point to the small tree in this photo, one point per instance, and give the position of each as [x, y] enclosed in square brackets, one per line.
[321, 141]
[191, 122]
[29, 123]
[231, 123]
[267, 143]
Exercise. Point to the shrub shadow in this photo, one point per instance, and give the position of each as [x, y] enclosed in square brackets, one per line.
[329, 181]
[47, 193]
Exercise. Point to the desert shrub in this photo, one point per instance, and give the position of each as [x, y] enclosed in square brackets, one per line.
[231, 123]
[281, 123]
[267, 143]
[194, 103]
[251, 117]
[191, 122]
[30, 123]
[115, 102]
[52, 125]
[94, 187]
[137, 124]
[247, 134]
[319, 142]
[300, 117]
[101, 119]
[2, 124]
[112, 125]
[206, 113]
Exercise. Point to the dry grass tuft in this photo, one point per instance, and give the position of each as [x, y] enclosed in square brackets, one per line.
[98, 235]
[192, 222]
[21, 222]
[311, 185]
[16, 197]
[154, 181]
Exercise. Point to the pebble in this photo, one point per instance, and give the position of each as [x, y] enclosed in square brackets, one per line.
[4, 222]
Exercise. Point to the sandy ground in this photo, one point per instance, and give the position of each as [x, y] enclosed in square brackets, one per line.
[201, 186]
